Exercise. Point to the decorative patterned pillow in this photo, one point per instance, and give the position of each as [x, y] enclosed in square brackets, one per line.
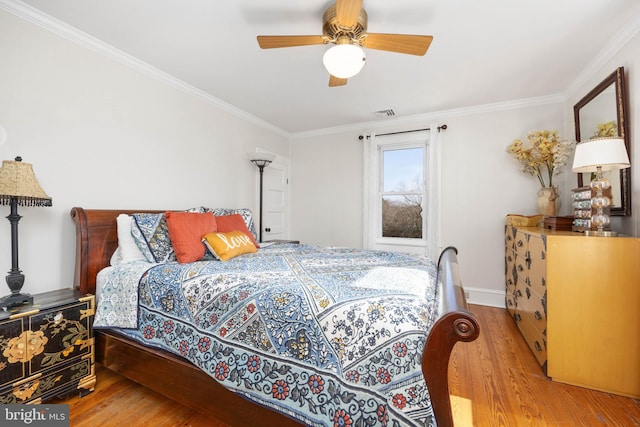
[152, 237]
[186, 230]
[245, 213]
[225, 246]
[129, 250]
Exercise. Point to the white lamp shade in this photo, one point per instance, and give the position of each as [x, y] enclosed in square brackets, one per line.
[608, 153]
[344, 60]
[262, 157]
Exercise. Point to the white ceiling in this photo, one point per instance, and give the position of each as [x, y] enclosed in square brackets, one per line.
[483, 52]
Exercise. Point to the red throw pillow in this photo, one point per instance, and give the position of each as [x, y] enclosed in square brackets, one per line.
[227, 223]
[186, 230]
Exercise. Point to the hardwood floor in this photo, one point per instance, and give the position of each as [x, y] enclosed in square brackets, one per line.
[506, 386]
[495, 381]
[117, 401]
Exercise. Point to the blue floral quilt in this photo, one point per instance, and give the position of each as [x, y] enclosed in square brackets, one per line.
[327, 336]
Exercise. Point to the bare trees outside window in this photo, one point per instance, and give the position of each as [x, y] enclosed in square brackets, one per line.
[402, 192]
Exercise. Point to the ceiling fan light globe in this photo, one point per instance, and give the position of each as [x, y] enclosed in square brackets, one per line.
[344, 60]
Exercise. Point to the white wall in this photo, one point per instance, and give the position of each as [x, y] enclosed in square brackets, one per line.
[326, 190]
[101, 134]
[481, 184]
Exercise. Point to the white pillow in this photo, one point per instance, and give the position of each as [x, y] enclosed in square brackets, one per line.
[128, 250]
[116, 257]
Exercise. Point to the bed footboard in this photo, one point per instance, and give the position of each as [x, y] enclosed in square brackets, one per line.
[455, 323]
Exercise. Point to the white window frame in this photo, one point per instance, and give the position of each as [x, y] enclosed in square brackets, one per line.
[374, 239]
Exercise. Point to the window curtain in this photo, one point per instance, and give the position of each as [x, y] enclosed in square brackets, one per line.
[434, 202]
[368, 181]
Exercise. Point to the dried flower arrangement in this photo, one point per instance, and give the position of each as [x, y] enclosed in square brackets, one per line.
[544, 155]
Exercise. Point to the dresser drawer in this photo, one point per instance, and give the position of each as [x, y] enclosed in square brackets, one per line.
[511, 274]
[520, 243]
[66, 334]
[536, 341]
[510, 303]
[537, 264]
[54, 383]
[532, 307]
[521, 271]
[509, 237]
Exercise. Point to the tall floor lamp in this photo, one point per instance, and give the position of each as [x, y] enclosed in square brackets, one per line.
[261, 160]
[18, 186]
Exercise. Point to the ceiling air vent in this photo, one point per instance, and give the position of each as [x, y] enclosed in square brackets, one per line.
[385, 114]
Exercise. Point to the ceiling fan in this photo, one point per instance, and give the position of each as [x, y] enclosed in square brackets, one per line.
[344, 24]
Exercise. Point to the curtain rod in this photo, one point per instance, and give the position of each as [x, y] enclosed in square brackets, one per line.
[443, 127]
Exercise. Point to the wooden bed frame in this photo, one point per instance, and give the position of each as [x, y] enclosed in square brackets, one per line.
[178, 379]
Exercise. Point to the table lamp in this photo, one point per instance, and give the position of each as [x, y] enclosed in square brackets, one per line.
[599, 155]
[18, 186]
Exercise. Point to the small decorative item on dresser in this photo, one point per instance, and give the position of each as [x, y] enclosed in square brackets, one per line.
[543, 153]
[559, 223]
[582, 209]
[524, 221]
[547, 197]
[47, 349]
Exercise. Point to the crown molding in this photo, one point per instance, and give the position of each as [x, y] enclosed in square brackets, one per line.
[437, 116]
[64, 30]
[49, 23]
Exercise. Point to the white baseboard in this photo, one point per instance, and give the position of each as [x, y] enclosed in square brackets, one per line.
[487, 297]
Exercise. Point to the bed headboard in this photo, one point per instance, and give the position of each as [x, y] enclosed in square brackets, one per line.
[96, 240]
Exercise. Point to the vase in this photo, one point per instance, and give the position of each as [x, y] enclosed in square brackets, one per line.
[547, 198]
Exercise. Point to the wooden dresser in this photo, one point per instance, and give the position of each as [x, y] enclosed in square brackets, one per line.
[47, 348]
[576, 301]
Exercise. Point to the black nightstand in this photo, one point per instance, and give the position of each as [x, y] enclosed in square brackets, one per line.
[47, 348]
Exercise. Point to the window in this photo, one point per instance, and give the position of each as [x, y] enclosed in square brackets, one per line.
[395, 217]
[402, 172]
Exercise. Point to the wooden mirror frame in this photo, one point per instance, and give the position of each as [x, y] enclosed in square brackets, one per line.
[617, 80]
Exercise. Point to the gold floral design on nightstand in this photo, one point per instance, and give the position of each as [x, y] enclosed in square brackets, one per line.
[77, 337]
[25, 391]
[23, 348]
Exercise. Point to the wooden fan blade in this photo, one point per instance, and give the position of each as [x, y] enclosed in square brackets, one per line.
[270, 42]
[400, 43]
[336, 81]
[347, 12]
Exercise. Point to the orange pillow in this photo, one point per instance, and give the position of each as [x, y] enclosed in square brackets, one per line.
[186, 230]
[234, 222]
[225, 246]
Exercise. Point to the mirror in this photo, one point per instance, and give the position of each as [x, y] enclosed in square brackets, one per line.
[602, 113]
